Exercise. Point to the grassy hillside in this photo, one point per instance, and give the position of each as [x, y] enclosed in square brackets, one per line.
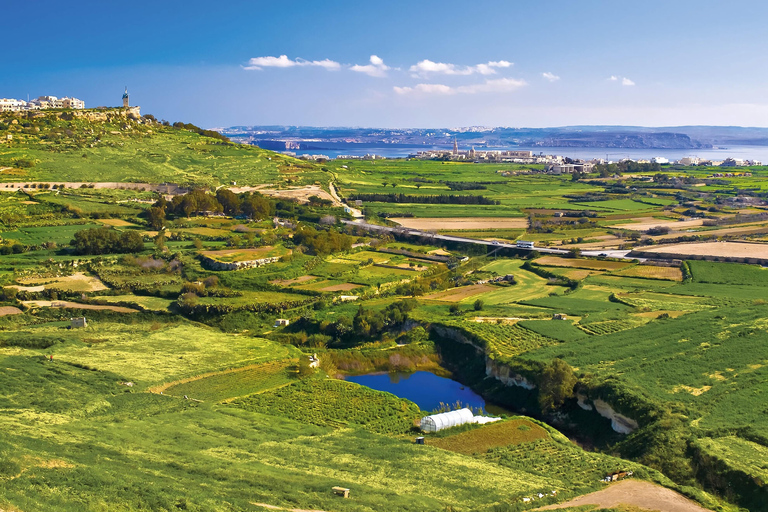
[56, 147]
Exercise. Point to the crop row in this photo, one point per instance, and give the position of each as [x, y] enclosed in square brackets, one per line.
[237, 382]
[335, 403]
[508, 340]
[607, 327]
[550, 458]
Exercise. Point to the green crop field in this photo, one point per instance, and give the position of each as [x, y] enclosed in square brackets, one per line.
[337, 404]
[235, 382]
[147, 303]
[562, 330]
[507, 340]
[39, 235]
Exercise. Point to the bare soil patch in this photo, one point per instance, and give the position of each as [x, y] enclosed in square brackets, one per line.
[742, 229]
[556, 261]
[344, 287]
[714, 249]
[118, 223]
[288, 282]
[299, 193]
[458, 294]
[78, 282]
[653, 272]
[76, 305]
[634, 493]
[9, 310]
[580, 274]
[459, 223]
[241, 254]
[646, 223]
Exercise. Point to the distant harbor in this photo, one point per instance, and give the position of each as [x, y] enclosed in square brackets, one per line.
[752, 153]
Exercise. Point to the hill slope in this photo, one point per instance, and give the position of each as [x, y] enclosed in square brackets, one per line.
[108, 146]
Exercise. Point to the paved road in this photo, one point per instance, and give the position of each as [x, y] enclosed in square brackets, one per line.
[451, 238]
[360, 221]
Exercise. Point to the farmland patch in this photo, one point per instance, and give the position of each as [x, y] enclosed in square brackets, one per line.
[652, 272]
[336, 403]
[556, 261]
[235, 255]
[480, 440]
[460, 293]
[461, 223]
[77, 282]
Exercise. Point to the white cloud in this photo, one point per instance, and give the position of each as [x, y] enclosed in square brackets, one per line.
[497, 85]
[624, 80]
[426, 89]
[550, 76]
[426, 67]
[375, 68]
[259, 63]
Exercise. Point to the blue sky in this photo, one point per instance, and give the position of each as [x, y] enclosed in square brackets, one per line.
[399, 63]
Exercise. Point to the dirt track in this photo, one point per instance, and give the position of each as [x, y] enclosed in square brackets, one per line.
[637, 493]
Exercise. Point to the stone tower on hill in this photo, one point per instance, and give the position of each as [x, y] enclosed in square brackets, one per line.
[125, 97]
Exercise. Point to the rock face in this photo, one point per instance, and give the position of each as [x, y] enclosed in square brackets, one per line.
[619, 422]
[212, 264]
[506, 376]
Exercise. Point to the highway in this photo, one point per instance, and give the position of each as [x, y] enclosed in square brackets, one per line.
[360, 221]
[622, 254]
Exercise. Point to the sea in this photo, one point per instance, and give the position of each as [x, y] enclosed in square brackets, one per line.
[759, 153]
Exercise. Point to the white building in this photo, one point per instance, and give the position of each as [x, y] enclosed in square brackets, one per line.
[41, 102]
[659, 160]
[690, 160]
[12, 105]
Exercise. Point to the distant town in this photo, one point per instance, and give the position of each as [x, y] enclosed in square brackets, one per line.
[40, 103]
[555, 164]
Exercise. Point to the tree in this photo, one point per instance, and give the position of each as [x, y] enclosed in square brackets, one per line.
[229, 201]
[131, 241]
[258, 207]
[556, 384]
[479, 305]
[160, 241]
[156, 217]
[105, 241]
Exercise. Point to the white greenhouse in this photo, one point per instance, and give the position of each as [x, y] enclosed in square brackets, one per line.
[446, 420]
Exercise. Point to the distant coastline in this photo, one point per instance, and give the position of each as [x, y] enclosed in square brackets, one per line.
[744, 152]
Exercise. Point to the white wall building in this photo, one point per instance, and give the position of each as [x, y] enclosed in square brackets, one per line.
[12, 105]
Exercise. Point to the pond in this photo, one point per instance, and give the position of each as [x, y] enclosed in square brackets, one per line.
[426, 390]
